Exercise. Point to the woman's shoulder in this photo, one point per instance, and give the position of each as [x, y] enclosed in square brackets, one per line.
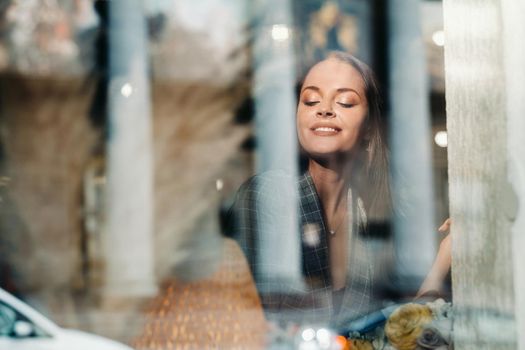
[263, 195]
[269, 180]
[273, 188]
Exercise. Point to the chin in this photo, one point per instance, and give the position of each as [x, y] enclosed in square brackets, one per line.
[327, 149]
[324, 153]
[327, 155]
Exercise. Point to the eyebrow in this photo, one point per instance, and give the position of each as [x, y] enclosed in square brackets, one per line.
[315, 88]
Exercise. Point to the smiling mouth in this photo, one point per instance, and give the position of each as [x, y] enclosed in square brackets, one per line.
[325, 131]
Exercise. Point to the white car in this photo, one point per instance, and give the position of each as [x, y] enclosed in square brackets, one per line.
[24, 328]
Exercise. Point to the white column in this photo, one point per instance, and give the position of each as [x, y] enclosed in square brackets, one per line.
[410, 141]
[129, 231]
[484, 133]
[513, 12]
[278, 254]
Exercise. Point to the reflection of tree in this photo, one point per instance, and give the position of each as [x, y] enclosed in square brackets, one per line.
[15, 245]
[186, 55]
[56, 37]
[4, 27]
[47, 142]
[42, 37]
[194, 143]
[195, 89]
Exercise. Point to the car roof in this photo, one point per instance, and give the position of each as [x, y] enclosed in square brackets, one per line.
[31, 314]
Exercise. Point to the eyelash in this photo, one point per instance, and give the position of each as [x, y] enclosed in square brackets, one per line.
[313, 103]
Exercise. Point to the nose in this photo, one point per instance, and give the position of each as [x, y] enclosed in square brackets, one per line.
[325, 112]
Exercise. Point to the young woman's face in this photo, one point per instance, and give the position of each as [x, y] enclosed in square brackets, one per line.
[332, 109]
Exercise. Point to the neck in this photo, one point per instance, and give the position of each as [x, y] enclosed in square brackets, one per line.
[331, 180]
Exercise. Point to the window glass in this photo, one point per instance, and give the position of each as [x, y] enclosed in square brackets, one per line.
[258, 174]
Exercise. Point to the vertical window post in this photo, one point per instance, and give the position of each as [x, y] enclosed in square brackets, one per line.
[129, 227]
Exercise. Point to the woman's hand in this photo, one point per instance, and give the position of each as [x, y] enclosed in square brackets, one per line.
[441, 266]
[445, 247]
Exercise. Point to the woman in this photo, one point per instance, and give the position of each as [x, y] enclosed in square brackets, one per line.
[344, 194]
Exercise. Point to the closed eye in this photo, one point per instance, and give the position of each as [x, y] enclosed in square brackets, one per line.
[311, 103]
[345, 105]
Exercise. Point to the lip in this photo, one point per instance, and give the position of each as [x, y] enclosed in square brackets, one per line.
[325, 129]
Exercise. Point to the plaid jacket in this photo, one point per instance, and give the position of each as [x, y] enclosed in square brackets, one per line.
[317, 301]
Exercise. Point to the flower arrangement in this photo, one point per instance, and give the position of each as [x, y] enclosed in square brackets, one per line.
[356, 344]
[411, 327]
[406, 324]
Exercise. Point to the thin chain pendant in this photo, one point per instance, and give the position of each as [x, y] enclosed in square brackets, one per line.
[332, 232]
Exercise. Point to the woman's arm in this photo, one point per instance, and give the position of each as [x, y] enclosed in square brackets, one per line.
[441, 266]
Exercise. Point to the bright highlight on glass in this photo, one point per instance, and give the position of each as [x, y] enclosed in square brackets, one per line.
[126, 90]
[439, 38]
[324, 337]
[280, 32]
[308, 334]
[441, 139]
[219, 184]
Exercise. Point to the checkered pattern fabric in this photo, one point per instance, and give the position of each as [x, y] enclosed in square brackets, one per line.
[317, 301]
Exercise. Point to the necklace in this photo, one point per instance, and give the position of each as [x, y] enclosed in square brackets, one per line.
[333, 231]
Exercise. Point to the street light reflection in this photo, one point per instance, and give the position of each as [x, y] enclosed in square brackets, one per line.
[280, 32]
[439, 37]
[126, 90]
[441, 139]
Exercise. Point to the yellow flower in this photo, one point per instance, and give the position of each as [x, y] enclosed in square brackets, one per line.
[406, 324]
[360, 344]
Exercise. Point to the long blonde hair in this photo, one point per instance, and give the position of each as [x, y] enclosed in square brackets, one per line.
[373, 176]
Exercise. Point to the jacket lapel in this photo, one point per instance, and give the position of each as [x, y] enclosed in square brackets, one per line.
[313, 231]
[357, 294]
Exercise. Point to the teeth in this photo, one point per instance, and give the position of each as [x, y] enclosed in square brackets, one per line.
[325, 129]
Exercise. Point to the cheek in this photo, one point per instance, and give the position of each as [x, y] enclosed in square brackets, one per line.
[300, 118]
[355, 119]
[301, 131]
[298, 126]
[355, 128]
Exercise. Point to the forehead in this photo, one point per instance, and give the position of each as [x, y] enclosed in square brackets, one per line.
[334, 74]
